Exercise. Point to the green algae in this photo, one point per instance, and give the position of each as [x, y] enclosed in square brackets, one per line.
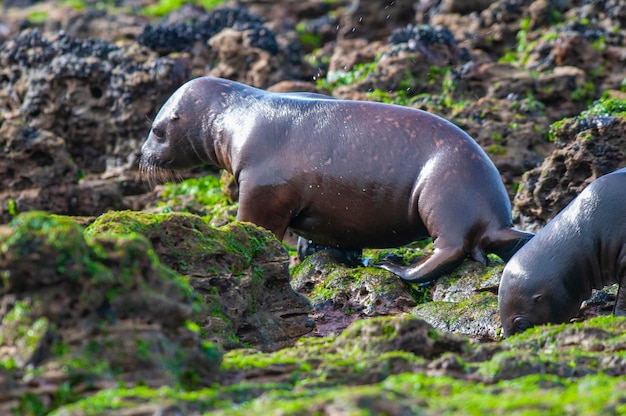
[409, 393]
[186, 238]
[21, 328]
[199, 400]
[422, 394]
[108, 276]
[318, 377]
[323, 362]
[525, 395]
[238, 252]
[409, 253]
[33, 231]
[319, 374]
[604, 107]
[125, 222]
[339, 280]
[206, 196]
[570, 350]
[547, 336]
[454, 312]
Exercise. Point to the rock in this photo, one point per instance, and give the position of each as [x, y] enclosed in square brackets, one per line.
[185, 27]
[430, 9]
[372, 19]
[504, 71]
[339, 294]
[398, 333]
[239, 60]
[513, 131]
[468, 280]
[566, 350]
[84, 103]
[476, 317]
[240, 271]
[96, 310]
[69, 86]
[588, 146]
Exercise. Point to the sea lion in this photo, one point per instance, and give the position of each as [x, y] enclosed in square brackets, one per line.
[582, 248]
[344, 174]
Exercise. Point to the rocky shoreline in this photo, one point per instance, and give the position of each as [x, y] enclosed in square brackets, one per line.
[122, 299]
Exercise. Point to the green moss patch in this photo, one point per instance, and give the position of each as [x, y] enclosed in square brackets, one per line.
[186, 242]
[85, 310]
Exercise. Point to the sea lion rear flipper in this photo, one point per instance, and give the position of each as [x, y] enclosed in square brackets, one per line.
[507, 241]
[440, 262]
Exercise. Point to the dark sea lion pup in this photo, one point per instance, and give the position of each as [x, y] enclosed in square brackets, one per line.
[344, 174]
[582, 248]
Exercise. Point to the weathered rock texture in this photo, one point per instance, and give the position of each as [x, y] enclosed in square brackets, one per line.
[241, 272]
[340, 295]
[92, 311]
[72, 112]
[587, 147]
[73, 116]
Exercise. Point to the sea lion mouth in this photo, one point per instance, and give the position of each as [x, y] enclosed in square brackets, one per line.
[152, 172]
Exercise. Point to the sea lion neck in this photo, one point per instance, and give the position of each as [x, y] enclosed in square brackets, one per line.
[231, 125]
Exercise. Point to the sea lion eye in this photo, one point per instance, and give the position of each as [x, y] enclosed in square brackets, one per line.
[521, 324]
[158, 132]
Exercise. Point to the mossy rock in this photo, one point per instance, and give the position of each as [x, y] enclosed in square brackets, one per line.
[240, 271]
[351, 376]
[33, 236]
[358, 291]
[477, 317]
[467, 280]
[95, 310]
[187, 242]
[368, 351]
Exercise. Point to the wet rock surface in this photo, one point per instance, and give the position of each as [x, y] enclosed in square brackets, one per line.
[240, 271]
[158, 312]
[587, 146]
[92, 312]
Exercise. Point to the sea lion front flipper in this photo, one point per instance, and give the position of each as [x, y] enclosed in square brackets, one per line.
[348, 257]
[440, 262]
[507, 241]
[273, 214]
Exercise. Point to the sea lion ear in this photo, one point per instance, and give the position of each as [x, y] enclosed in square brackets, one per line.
[174, 116]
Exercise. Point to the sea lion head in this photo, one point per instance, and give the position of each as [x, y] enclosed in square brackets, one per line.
[530, 295]
[178, 138]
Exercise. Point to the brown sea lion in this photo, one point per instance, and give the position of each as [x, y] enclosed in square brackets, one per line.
[582, 248]
[344, 174]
